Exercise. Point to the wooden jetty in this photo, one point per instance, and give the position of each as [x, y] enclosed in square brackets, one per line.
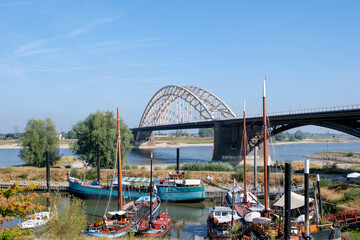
[42, 187]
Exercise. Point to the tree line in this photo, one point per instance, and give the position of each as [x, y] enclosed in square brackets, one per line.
[98, 128]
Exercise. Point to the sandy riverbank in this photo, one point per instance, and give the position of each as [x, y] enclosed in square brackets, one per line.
[17, 146]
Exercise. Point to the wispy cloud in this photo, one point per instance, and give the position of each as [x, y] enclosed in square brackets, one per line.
[36, 47]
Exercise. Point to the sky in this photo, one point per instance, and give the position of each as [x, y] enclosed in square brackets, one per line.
[66, 59]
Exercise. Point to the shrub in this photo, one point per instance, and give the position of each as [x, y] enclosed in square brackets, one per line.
[261, 169]
[74, 173]
[126, 167]
[134, 167]
[350, 154]
[35, 178]
[7, 170]
[239, 175]
[351, 195]
[143, 168]
[157, 168]
[324, 182]
[91, 174]
[171, 167]
[212, 166]
[24, 175]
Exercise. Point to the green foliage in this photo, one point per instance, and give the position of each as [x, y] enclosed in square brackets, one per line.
[12, 233]
[212, 166]
[206, 132]
[324, 182]
[292, 138]
[355, 234]
[8, 170]
[351, 195]
[280, 137]
[126, 167]
[157, 168]
[239, 174]
[350, 154]
[130, 234]
[24, 175]
[142, 168]
[91, 174]
[74, 173]
[101, 128]
[35, 178]
[261, 169]
[171, 167]
[134, 167]
[67, 219]
[181, 133]
[71, 134]
[40, 136]
[299, 135]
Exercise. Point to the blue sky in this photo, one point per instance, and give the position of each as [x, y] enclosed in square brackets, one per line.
[66, 59]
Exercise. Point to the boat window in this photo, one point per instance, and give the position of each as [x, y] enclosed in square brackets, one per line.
[217, 214]
[223, 214]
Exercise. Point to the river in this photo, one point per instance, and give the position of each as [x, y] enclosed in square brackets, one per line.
[281, 153]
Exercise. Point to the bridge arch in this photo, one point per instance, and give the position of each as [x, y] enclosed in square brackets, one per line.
[179, 104]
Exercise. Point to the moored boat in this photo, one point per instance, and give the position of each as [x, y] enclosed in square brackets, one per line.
[35, 221]
[221, 221]
[177, 189]
[160, 227]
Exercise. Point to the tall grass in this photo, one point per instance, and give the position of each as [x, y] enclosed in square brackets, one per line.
[215, 167]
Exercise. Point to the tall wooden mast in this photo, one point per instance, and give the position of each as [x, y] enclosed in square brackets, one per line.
[265, 151]
[120, 199]
[244, 138]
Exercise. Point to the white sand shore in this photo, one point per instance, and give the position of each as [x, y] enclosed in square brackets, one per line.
[17, 146]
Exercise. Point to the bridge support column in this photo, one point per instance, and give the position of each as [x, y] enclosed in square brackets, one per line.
[226, 143]
[144, 139]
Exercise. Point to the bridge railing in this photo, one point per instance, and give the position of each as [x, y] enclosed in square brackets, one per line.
[286, 113]
[314, 110]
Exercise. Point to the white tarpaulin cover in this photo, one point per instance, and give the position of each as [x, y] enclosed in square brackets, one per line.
[250, 216]
[257, 208]
[301, 218]
[117, 213]
[297, 201]
[262, 220]
[353, 175]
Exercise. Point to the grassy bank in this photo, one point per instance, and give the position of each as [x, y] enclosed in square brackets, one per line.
[344, 196]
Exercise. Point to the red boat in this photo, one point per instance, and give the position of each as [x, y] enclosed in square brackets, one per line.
[160, 227]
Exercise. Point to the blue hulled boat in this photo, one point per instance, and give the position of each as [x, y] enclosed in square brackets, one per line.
[173, 189]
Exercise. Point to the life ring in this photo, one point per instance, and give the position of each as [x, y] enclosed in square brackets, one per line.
[162, 227]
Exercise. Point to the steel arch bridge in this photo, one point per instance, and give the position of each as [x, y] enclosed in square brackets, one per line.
[181, 104]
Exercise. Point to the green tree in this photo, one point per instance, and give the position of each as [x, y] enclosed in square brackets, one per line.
[67, 218]
[292, 138]
[299, 135]
[40, 136]
[280, 136]
[206, 132]
[101, 128]
[71, 134]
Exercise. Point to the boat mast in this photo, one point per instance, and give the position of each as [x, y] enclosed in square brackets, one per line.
[151, 163]
[244, 138]
[265, 152]
[120, 200]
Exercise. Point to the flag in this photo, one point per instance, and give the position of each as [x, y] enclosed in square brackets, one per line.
[209, 178]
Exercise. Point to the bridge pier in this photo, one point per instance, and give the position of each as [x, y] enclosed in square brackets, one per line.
[226, 139]
[144, 139]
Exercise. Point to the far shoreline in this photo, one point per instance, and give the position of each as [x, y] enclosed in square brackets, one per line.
[180, 145]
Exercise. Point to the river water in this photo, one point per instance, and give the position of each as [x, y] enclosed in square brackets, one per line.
[190, 218]
[293, 152]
